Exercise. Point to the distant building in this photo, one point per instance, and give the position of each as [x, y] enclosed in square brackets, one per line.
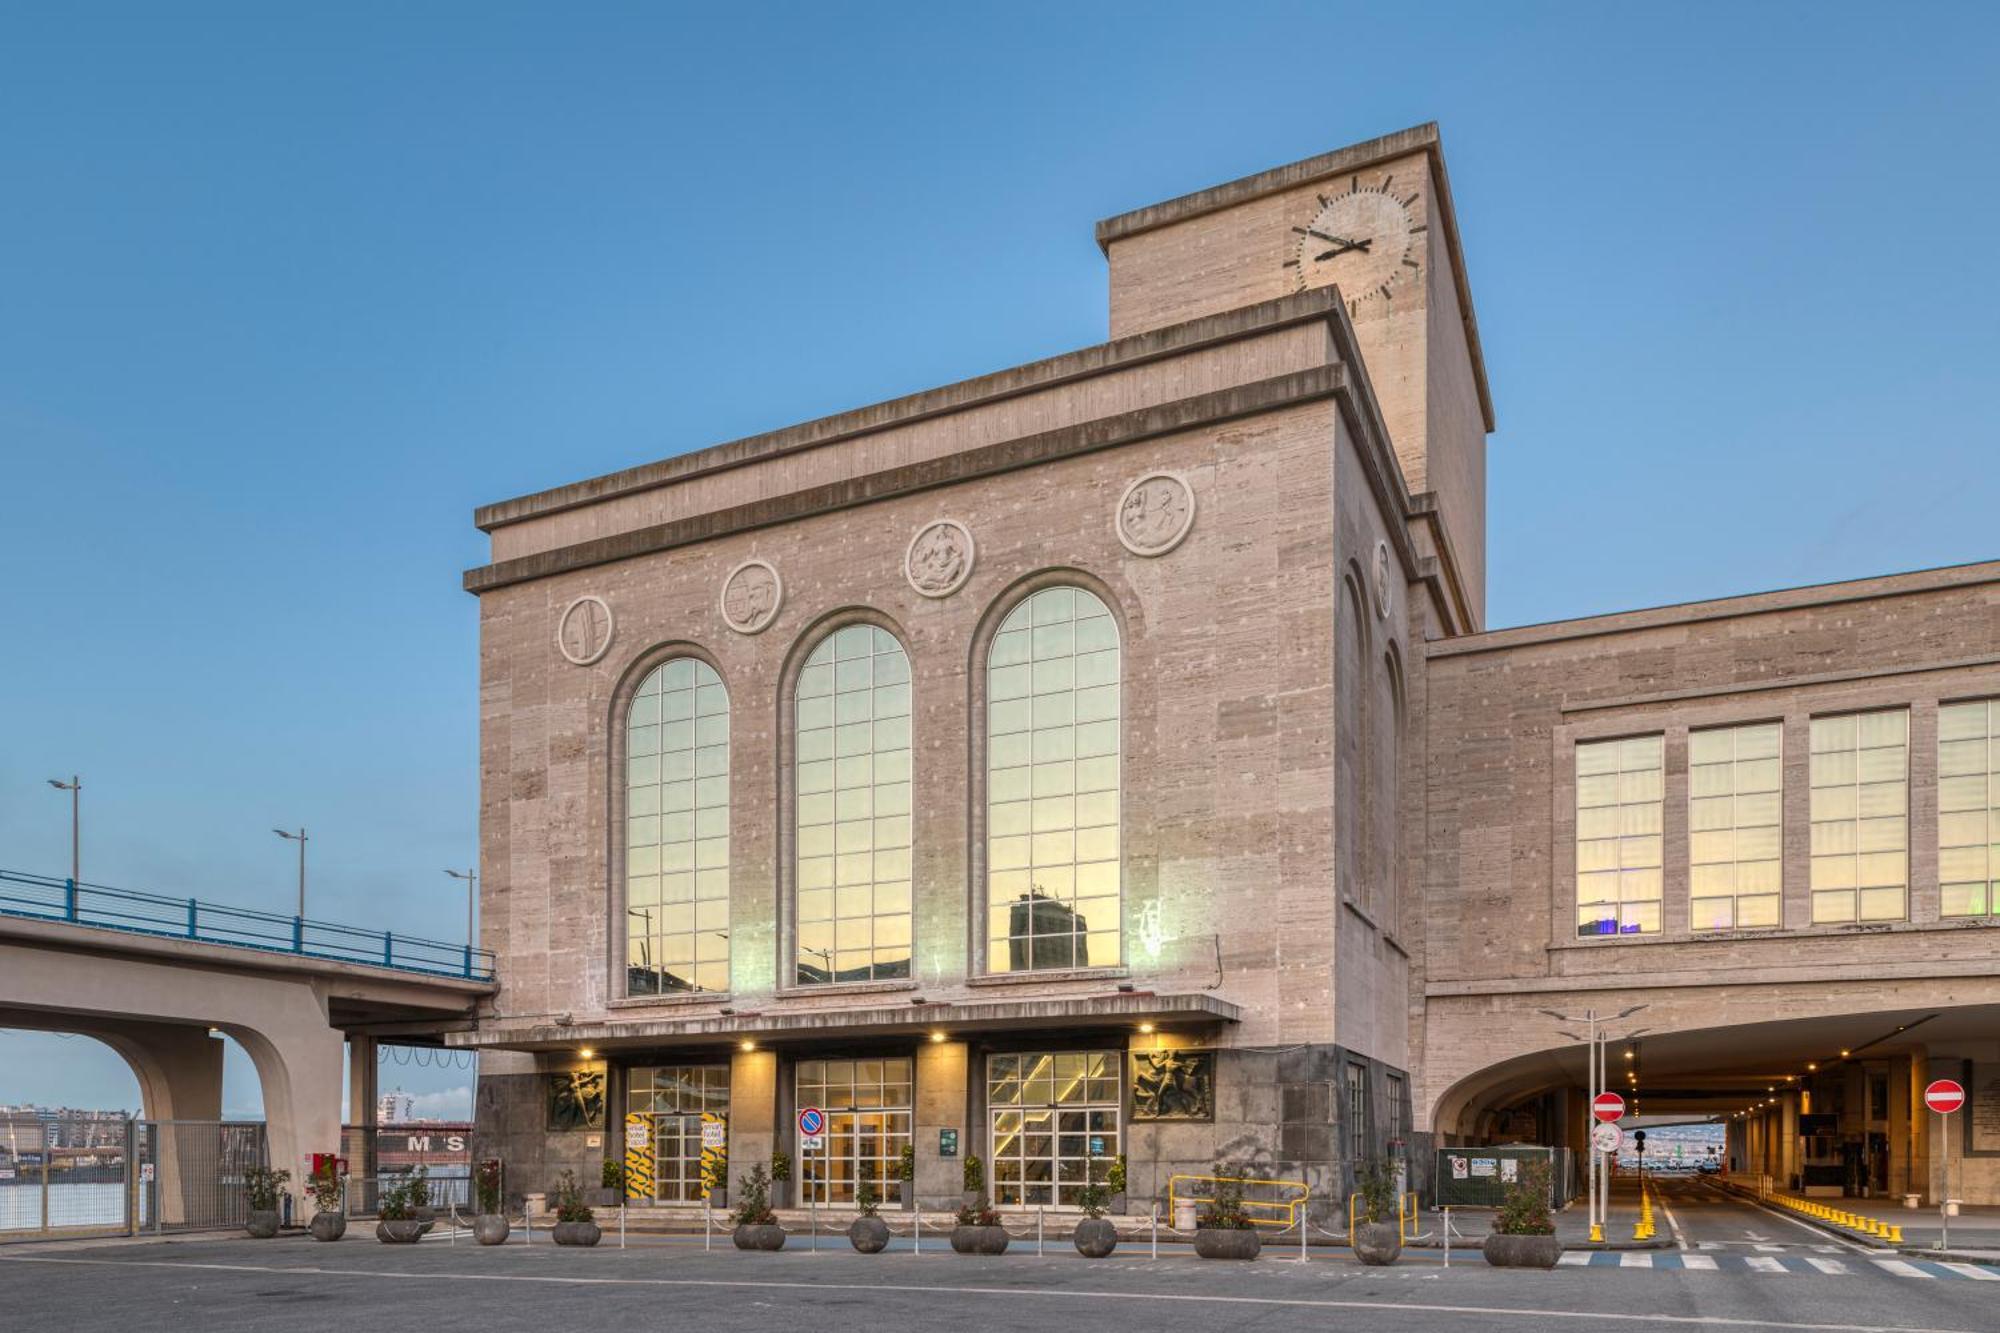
[395, 1108]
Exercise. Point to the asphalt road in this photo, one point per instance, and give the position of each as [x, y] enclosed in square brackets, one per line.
[221, 1286]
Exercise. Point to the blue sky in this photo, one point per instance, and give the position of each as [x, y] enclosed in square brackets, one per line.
[286, 290]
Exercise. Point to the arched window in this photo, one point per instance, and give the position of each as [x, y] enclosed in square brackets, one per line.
[1052, 785]
[853, 796]
[677, 831]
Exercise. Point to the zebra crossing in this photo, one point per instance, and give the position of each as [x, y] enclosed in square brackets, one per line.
[1812, 1265]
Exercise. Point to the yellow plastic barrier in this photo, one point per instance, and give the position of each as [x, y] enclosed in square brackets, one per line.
[1290, 1206]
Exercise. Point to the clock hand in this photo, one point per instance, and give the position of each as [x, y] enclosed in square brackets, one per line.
[1338, 251]
[1320, 235]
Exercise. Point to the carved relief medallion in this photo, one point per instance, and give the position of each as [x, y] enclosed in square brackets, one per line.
[1383, 601]
[583, 630]
[751, 596]
[1155, 513]
[939, 558]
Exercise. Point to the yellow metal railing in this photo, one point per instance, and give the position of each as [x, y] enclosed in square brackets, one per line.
[1406, 1216]
[1279, 1213]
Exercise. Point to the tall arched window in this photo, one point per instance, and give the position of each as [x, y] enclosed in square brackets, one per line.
[1052, 785]
[853, 795]
[677, 831]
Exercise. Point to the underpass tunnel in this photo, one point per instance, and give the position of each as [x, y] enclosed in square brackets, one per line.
[1825, 1106]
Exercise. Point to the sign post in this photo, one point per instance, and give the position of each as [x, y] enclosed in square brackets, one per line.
[1945, 1096]
[812, 1129]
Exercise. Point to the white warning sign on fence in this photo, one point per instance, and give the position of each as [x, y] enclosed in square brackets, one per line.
[1459, 1168]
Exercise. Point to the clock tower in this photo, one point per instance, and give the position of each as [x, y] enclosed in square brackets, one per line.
[1374, 221]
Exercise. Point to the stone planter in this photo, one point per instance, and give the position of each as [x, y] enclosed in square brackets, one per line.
[578, 1233]
[1505, 1251]
[490, 1229]
[1095, 1237]
[426, 1217]
[1227, 1243]
[764, 1236]
[979, 1240]
[1378, 1242]
[328, 1226]
[869, 1235]
[400, 1231]
[262, 1223]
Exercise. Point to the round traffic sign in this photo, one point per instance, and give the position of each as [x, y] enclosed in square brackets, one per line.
[811, 1121]
[1608, 1107]
[1944, 1096]
[1607, 1137]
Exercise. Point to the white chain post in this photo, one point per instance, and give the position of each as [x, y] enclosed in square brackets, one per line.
[1156, 1228]
[621, 1226]
[917, 1236]
[1038, 1232]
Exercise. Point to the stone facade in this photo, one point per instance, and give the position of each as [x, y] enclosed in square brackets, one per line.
[1346, 829]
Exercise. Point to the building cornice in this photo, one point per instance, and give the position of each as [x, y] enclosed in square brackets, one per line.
[981, 391]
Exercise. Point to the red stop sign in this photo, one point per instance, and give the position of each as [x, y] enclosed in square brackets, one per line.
[1944, 1096]
[1610, 1107]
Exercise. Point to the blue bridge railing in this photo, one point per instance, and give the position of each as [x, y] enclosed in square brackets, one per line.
[47, 899]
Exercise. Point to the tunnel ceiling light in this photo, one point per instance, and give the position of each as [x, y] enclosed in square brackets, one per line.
[1843, 1052]
[1811, 1066]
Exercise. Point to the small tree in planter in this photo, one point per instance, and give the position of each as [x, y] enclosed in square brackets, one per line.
[1378, 1230]
[489, 1221]
[1222, 1229]
[906, 1171]
[978, 1230]
[398, 1222]
[328, 1187]
[972, 1178]
[715, 1179]
[576, 1224]
[781, 1174]
[262, 1185]
[1524, 1235]
[1095, 1236]
[1114, 1183]
[869, 1233]
[756, 1225]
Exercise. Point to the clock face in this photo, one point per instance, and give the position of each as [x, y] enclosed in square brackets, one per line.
[1365, 240]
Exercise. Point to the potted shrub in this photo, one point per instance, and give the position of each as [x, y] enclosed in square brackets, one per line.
[575, 1224]
[978, 1230]
[906, 1171]
[1095, 1236]
[869, 1234]
[262, 1185]
[1378, 1230]
[715, 1179]
[1524, 1235]
[973, 1181]
[417, 1189]
[489, 1222]
[398, 1222]
[756, 1225]
[328, 1186]
[1222, 1229]
[1114, 1183]
[610, 1191]
[781, 1174]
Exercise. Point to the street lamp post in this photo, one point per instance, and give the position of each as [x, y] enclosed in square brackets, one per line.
[1596, 1078]
[471, 878]
[300, 839]
[75, 789]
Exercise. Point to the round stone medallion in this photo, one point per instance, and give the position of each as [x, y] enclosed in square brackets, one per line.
[1155, 513]
[939, 558]
[751, 596]
[1383, 599]
[584, 629]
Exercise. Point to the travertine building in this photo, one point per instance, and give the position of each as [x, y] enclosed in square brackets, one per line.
[1106, 758]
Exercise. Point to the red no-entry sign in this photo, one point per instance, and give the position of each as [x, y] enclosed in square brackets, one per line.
[1609, 1107]
[1944, 1096]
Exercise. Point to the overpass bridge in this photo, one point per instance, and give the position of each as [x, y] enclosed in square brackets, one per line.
[154, 976]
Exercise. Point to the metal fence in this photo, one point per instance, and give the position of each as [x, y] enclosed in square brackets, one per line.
[48, 899]
[1480, 1177]
[97, 1176]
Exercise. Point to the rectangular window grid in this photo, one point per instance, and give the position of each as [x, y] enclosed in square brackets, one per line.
[868, 1109]
[854, 901]
[1734, 820]
[1052, 786]
[1620, 799]
[675, 1096]
[677, 832]
[1048, 1111]
[1860, 817]
[1969, 808]
[1357, 1111]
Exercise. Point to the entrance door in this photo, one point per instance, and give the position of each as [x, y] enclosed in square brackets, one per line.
[678, 1098]
[1051, 1114]
[868, 1106]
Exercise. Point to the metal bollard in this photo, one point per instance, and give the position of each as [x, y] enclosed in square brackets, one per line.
[1302, 1235]
[917, 1236]
[815, 1226]
[527, 1223]
[1038, 1232]
[1447, 1235]
[707, 1225]
[621, 1226]
[1156, 1231]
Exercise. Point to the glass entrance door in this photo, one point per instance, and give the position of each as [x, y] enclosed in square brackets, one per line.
[1051, 1114]
[867, 1105]
[677, 1099]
